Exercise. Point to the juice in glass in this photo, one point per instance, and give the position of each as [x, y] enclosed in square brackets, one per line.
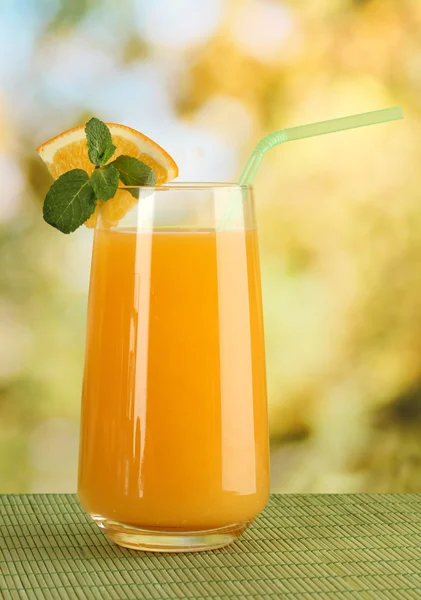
[174, 443]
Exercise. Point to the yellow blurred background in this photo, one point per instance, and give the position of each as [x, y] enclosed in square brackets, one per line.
[339, 216]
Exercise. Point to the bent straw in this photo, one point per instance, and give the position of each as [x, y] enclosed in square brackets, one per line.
[311, 130]
[307, 131]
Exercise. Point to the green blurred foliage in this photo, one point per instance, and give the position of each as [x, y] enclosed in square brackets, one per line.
[339, 217]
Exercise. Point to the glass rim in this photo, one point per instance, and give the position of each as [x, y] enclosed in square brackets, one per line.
[189, 185]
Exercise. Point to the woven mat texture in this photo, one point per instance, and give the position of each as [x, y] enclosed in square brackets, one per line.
[313, 546]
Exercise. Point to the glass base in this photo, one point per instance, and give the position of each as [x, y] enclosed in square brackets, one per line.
[149, 540]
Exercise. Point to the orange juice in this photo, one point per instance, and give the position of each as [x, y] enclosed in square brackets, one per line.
[174, 419]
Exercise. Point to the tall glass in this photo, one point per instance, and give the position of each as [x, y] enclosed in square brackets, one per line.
[174, 436]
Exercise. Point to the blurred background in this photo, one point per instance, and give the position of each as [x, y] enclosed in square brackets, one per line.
[339, 216]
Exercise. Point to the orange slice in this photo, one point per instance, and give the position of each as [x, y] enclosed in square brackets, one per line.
[69, 150]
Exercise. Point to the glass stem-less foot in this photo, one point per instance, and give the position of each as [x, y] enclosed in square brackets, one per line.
[152, 540]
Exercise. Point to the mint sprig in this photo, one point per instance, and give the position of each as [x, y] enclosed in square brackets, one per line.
[72, 198]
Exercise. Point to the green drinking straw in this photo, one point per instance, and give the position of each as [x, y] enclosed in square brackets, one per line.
[307, 131]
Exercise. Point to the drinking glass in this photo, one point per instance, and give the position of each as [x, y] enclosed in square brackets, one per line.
[174, 435]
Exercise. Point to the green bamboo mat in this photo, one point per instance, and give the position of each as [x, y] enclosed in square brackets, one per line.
[315, 546]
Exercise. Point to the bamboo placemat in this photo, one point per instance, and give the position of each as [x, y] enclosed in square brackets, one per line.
[314, 546]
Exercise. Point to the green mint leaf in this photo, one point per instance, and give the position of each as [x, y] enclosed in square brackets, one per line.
[105, 157]
[133, 171]
[70, 201]
[100, 143]
[105, 182]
